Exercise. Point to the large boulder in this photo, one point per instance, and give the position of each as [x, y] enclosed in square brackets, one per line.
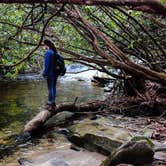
[98, 135]
[59, 119]
[63, 156]
[137, 151]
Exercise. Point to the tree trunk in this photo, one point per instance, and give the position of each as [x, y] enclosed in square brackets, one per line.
[44, 114]
[134, 85]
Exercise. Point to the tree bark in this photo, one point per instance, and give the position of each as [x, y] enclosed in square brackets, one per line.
[125, 64]
[44, 114]
[150, 6]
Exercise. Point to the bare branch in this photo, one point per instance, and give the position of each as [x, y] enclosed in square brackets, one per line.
[150, 6]
[40, 41]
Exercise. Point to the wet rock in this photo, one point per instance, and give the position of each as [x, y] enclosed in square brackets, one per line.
[102, 80]
[59, 118]
[93, 117]
[160, 152]
[25, 145]
[137, 151]
[63, 131]
[107, 89]
[66, 157]
[160, 156]
[23, 137]
[56, 163]
[23, 161]
[124, 165]
[74, 147]
[80, 79]
[98, 135]
[147, 132]
[53, 162]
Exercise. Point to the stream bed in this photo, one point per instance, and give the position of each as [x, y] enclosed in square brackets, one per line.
[21, 100]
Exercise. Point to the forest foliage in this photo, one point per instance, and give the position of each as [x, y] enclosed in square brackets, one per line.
[140, 36]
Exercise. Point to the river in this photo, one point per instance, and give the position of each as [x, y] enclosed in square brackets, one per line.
[20, 100]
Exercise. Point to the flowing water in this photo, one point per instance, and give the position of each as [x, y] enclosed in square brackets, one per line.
[21, 100]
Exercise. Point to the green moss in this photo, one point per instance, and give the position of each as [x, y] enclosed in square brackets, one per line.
[99, 135]
[100, 127]
[138, 151]
[140, 139]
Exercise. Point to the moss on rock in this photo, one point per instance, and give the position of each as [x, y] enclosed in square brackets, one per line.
[137, 151]
[98, 135]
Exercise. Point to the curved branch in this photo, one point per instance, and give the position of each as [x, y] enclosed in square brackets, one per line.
[142, 27]
[149, 6]
[40, 41]
[127, 64]
[82, 57]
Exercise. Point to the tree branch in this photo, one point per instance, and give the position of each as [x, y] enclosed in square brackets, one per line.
[149, 6]
[39, 43]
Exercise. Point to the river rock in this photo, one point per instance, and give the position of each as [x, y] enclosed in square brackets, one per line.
[98, 135]
[58, 163]
[65, 157]
[53, 162]
[137, 151]
[59, 118]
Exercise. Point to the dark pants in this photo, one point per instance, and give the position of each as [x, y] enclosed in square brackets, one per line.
[51, 83]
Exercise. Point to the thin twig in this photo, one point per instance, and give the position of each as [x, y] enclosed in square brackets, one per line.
[75, 101]
[40, 41]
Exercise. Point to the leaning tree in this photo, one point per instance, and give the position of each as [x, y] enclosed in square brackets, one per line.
[129, 47]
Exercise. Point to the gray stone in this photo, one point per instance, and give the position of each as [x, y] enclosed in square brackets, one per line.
[59, 118]
[23, 161]
[138, 151]
[66, 157]
[58, 163]
[98, 135]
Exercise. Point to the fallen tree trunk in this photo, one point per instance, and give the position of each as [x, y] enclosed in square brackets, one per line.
[45, 114]
[149, 102]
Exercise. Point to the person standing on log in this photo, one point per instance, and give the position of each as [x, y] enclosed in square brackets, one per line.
[50, 73]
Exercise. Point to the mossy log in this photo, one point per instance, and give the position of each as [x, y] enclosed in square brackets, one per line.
[45, 114]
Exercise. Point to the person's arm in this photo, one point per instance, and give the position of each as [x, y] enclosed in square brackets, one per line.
[46, 64]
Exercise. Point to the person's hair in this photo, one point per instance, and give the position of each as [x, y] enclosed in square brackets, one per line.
[50, 44]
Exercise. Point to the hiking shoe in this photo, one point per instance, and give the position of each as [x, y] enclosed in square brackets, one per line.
[50, 107]
[53, 105]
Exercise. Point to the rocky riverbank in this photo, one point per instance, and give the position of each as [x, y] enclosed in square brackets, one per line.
[80, 139]
[95, 140]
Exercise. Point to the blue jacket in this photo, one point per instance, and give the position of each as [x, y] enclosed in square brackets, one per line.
[50, 64]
